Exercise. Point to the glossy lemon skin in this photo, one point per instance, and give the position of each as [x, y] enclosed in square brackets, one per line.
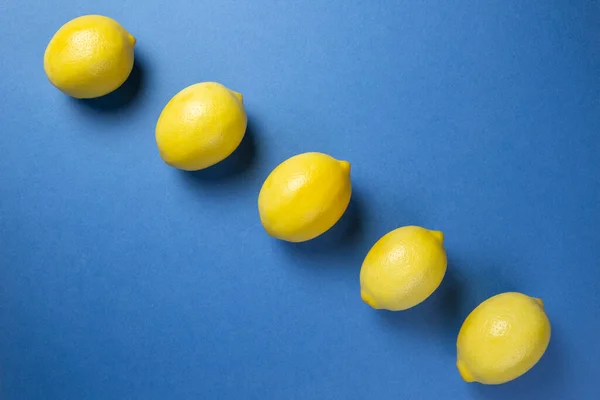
[502, 339]
[89, 56]
[201, 126]
[403, 268]
[304, 196]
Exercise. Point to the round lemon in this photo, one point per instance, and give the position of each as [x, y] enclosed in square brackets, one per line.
[503, 338]
[403, 268]
[201, 125]
[304, 196]
[89, 56]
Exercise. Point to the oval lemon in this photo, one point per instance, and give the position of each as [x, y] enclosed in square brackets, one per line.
[502, 338]
[89, 56]
[403, 268]
[304, 196]
[201, 125]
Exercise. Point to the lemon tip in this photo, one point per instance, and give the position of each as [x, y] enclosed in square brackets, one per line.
[238, 96]
[367, 299]
[540, 302]
[464, 372]
[345, 166]
[438, 235]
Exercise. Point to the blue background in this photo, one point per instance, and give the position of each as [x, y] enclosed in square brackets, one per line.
[122, 278]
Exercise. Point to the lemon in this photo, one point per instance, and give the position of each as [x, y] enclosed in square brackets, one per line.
[201, 125]
[403, 268]
[503, 338]
[89, 56]
[304, 196]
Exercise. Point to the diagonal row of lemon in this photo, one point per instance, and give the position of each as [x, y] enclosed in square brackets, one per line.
[302, 198]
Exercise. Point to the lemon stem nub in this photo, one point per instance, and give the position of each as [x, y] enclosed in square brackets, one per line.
[238, 96]
[464, 372]
[345, 166]
[367, 299]
[438, 235]
[540, 302]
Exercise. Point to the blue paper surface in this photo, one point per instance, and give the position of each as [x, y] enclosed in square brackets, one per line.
[122, 278]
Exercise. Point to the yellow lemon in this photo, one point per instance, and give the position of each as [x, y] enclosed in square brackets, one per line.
[201, 125]
[503, 338]
[89, 56]
[304, 196]
[403, 268]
